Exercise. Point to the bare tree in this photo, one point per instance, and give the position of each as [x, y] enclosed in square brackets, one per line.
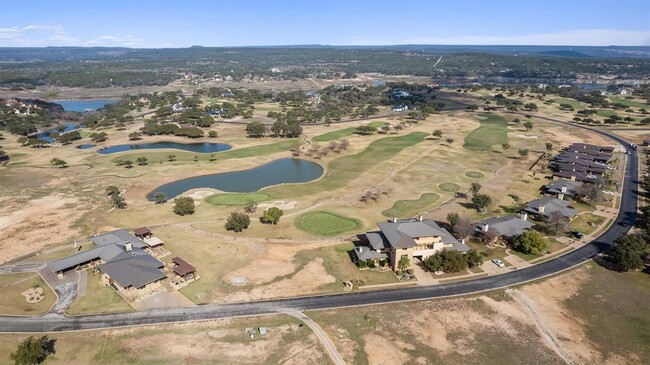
[366, 197]
[345, 144]
[491, 236]
[557, 222]
[333, 145]
[464, 227]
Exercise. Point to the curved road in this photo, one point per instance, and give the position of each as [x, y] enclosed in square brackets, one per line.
[627, 211]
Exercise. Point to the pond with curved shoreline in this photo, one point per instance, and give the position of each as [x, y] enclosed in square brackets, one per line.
[203, 147]
[281, 171]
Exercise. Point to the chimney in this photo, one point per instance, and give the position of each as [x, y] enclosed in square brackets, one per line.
[128, 247]
[485, 227]
[420, 217]
[394, 219]
[524, 216]
[541, 208]
[564, 188]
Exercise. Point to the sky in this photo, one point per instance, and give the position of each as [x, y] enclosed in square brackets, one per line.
[183, 23]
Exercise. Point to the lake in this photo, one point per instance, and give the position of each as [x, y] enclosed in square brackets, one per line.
[284, 170]
[82, 105]
[191, 147]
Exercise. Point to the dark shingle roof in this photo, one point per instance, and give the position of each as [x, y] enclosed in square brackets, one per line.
[508, 226]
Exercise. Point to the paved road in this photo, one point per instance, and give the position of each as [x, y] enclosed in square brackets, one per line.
[627, 211]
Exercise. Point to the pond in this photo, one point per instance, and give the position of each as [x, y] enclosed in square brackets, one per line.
[83, 105]
[45, 136]
[284, 170]
[191, 147]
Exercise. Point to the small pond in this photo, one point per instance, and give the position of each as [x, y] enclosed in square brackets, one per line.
[191, 147]
[45, 136]
[86, 146]
[83, 105]
[284, 170]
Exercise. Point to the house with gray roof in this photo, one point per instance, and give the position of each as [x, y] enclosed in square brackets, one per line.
[413, 237]
[507, 227]
[564, 188]
[543, 208]
[119, 255]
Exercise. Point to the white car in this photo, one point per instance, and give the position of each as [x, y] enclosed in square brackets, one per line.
[498, 262]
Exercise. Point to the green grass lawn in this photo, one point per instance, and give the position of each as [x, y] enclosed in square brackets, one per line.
[577, 105]
[323, 223]
[13, 303]
[409, 208]
[493, 131]
[582, 223]
[235, 199]
[338, 134]
[638, 104]
[450, 187]
[474, 174]
[345, 169]
[98, 299]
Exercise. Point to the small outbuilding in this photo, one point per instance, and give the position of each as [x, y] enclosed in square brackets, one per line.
[183, 269]
[142, 232]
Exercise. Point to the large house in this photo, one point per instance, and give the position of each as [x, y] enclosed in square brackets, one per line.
[564, 188]
[543, 208]
[413, 238]
[121, 256]
[507, 227]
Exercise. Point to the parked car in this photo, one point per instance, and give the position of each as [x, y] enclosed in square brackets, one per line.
[498, 262]
[578, 235]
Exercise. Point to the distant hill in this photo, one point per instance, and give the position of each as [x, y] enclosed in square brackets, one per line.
[565, 54]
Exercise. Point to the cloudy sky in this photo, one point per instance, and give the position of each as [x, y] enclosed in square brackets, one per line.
[162, 23]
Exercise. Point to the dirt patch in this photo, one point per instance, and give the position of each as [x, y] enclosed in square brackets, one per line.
[380, 350]
[278, 204]
[29, 227]
[548, 298]
[305, 281]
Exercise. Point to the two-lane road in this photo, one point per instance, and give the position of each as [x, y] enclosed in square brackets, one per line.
[627, 211]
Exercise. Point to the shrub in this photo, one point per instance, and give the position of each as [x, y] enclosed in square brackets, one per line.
[237, 222]
[184, 205]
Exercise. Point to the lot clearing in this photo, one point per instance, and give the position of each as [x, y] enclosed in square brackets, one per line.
[562, 319]
[214, 342]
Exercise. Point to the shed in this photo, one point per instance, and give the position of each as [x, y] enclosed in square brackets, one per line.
[183, 269]
[142, 232]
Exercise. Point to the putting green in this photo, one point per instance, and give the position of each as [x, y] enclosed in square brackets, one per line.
[324, 223]
[450, 187]
[474, 174]
[235, 199]
[409, 208]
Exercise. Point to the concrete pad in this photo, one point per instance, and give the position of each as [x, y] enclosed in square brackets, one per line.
[162, 299]
[83, 280]
[516, 261]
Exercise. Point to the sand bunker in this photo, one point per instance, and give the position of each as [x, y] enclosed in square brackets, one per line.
[33, 295]
[527, 137]
[278, 204]
[201, 194]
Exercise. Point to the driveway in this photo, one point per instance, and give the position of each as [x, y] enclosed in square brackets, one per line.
[424, 277]
[491, 269]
